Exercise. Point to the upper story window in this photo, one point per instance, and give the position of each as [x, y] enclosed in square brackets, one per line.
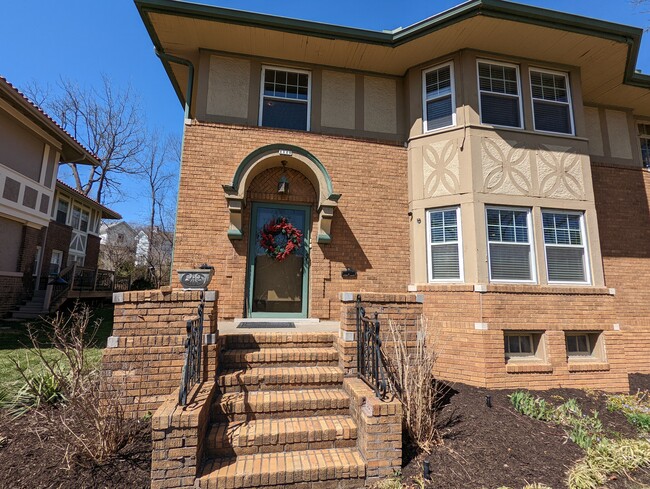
[551, 101]
[445, 250]
[566, 256]
[439, 98]
[62, 208]
[499, 94]
[510, 249]
[644, 140]
[79, 219]
[285, 98]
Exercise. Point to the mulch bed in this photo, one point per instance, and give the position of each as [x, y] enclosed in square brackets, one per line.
[490, 447]
[30, 457]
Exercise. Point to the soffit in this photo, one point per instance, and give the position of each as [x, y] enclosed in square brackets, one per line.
[184, 36]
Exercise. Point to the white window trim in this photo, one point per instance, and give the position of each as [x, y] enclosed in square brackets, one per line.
[570, 103]
[262, 96]
[519, 96]
[461, 268]
[640, 137]
[425, 99]
[585, 247]
[56, 209]
[531, 244]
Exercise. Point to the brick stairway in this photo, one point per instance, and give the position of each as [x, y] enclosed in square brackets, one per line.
[282, 418]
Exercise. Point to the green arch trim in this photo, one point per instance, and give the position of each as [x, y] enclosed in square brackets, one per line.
[241, 169]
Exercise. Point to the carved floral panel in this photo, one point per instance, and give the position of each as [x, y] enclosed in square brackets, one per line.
[441, 168]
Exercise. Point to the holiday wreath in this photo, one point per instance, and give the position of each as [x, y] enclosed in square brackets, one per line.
[289, 238]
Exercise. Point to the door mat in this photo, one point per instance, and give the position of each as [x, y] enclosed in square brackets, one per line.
[256, 325]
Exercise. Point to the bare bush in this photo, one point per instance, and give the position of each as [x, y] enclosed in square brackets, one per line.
[410, 362]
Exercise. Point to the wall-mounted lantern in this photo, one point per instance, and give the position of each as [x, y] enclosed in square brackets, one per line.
[283, 183]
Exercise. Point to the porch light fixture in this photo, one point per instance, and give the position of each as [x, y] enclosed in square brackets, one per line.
[283, 183]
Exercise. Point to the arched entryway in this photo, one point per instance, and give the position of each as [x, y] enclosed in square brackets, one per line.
[278, 191]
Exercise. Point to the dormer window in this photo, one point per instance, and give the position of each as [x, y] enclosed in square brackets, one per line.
[500, 95]
[439, 103]
[285, 98]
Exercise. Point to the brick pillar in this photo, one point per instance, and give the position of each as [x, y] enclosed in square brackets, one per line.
[144, 357]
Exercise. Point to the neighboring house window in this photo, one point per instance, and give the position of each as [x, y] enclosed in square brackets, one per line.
[285, 99]
[579, 344]
[510, 245]
[500, 97]
[564, 240]
[62, 211]
[120, 238]
[439, 98]
[55, 262]
[644, 140]
[551, 101]
[445, 250]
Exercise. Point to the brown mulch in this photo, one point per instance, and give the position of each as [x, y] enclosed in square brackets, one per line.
[31, 457]
[490, 447]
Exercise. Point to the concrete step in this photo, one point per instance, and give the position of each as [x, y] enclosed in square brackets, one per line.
[281, 435]
[309, 468]
[256, 341]
[279, 378]
[247, 406]
[279, 357]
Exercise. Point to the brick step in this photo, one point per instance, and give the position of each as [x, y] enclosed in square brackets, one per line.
[281, 435]
[279, 357]
[308, 468]
[253, 341]
[247, 406]
[284, 378]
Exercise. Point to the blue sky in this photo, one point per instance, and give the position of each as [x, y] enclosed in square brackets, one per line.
[44, 40]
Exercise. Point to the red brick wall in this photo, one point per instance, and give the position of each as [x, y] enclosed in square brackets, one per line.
[623, 206]
[11, 291]
[58, 238]
[92, 251]
[371, 176]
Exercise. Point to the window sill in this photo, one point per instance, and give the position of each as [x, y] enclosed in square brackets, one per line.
[11, 274]
[588, 366]
[517, 366]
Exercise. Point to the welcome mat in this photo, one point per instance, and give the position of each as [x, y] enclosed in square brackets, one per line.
[256, 325]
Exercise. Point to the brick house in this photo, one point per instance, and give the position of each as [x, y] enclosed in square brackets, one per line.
[45, 225]
[485, 167]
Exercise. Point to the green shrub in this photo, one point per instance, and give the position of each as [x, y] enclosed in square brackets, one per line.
[641, 421]
[529, 405]
[635, 407]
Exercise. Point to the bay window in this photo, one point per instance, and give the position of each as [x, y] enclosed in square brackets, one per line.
[445, 249]
[551, 101]
[510, 249]
[499, 94]
[439, 100]
[564, 241]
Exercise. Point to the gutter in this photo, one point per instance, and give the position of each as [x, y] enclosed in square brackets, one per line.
[190, 78]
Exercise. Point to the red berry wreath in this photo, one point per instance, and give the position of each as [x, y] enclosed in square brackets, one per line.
[280, 227]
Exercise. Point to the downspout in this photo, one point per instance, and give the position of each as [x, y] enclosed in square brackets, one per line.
[188, 102]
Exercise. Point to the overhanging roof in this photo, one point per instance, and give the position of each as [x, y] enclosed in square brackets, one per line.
[73, 150]
[106, 212]
[182, 29]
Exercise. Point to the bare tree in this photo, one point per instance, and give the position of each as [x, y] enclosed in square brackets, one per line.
[107, 121]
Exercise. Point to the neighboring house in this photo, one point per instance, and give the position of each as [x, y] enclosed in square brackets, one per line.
[118, 246]
[466, 157]
[33, 203]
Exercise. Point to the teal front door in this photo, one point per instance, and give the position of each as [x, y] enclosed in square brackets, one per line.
[278, 287]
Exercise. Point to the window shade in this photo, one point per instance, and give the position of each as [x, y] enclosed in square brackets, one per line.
[552, 117]
[565, 264]
[510, 262]
[445, 262]
[500, 110]
[439, 113]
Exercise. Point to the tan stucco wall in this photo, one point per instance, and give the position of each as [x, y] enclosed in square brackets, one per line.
[338, 99]
[20, 150]
[228, 86]
[379, 104]
[618, 133]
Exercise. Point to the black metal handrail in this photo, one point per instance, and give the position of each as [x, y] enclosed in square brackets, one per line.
[191, 373]
[370, 362]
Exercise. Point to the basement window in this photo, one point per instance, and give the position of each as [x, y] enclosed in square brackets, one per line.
[285, 98]
[581, 344]
[523, 345]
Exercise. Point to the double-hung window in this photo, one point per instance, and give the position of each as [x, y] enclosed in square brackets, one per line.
[500, 94]
[285, 98]
[551, 101]
[644, 140]
[445, 249]
[62, 207]
[439, 101]
[564, 241]
[510, 247]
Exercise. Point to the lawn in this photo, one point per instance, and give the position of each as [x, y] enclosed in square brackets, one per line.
[15, 344]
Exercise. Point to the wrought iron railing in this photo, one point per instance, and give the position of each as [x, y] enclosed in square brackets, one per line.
[121, 284]
[370, 363]
[191, 374]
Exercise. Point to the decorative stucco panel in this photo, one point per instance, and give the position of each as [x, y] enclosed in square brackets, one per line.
[560, 173]
[506, 167]
[441, 168]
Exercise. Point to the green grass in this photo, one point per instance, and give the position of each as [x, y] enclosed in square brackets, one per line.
[15, 343]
